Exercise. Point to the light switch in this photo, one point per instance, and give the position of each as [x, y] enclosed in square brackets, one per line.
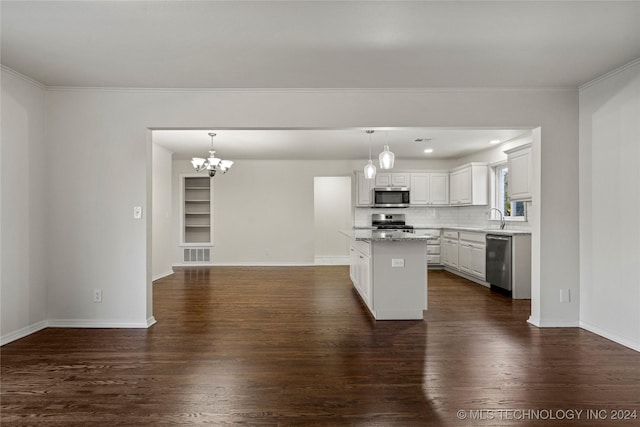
[397, 262]
[565, 295]
[137, 212]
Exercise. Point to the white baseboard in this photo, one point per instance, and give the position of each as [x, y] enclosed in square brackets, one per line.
[93, 323]
[633, 345]
[250, 264]
[72, 323]
[22, 332]
[332, 260]
[192, 264]
[535, 321]
[416, 314]
[161, 275]
[263, 264]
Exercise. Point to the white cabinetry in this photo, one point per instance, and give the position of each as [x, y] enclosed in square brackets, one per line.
[469, 184]
[387, 179]
[450, 249]
[520, 167]
[364, 187]
[360, 270]
[430, 188]
[472, 254]
[464, 257]
[433, 247]
[460, 182]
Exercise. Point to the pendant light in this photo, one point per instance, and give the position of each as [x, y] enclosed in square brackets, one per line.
[386, 158]
[370, 169]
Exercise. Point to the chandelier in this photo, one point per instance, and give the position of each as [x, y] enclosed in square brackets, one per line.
[213, 164]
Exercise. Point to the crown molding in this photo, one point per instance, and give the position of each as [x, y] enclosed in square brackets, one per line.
[343, 90]
[313, 90]
[23, 77]
[609, 75]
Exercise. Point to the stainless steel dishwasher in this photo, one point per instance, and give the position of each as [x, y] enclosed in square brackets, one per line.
[498, 257]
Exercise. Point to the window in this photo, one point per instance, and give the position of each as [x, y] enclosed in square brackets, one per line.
[511, 210]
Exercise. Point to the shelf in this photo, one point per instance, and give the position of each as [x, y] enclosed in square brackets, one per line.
[196, 210]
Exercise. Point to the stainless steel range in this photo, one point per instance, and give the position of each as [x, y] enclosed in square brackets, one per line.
[390, 222]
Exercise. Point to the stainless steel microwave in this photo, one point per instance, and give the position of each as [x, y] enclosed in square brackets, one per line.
[391, 197]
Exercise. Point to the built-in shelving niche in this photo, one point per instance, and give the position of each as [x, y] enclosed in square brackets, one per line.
[196, 210]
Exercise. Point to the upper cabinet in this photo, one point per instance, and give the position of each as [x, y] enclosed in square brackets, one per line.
[430, 188]
[364, 187]
[388, 179]
[468, 185]
[520, 166]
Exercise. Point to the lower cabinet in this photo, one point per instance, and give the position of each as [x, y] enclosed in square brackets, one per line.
[479, 262]
[434, 252]
[449, 248]
[472, 259]
[464, 257]
[360, 270]
[465, 252]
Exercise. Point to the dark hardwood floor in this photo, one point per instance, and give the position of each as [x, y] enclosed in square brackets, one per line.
[294, 346]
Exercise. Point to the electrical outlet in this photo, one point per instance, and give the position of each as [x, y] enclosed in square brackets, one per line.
[97, 295]
[397, 262]
[565, 295]
[137, 212]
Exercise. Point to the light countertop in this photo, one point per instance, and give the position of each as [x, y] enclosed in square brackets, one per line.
[506, 232]
[370, 235]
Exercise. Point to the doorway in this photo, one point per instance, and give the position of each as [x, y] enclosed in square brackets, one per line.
[332, 213]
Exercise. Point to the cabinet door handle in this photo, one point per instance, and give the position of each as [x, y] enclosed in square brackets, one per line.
[361, 257]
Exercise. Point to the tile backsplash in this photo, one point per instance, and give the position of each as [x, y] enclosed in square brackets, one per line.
[446, 216]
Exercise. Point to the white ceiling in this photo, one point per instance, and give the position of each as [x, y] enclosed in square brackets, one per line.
[318, 44]
[301, 144]
[323, 44]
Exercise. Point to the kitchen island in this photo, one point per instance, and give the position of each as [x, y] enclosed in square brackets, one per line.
[389, 271]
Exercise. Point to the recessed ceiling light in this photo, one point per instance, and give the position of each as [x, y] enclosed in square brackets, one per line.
[494, 141]
[428, 150]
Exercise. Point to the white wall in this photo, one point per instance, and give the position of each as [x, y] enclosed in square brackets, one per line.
[265, 205]
[108, 249]
[162, 212]
[23, 169]
[99, 168]
[262, 206]
[332, 205]
[609, 206]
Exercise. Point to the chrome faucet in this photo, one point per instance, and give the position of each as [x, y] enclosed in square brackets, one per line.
[502, 223]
